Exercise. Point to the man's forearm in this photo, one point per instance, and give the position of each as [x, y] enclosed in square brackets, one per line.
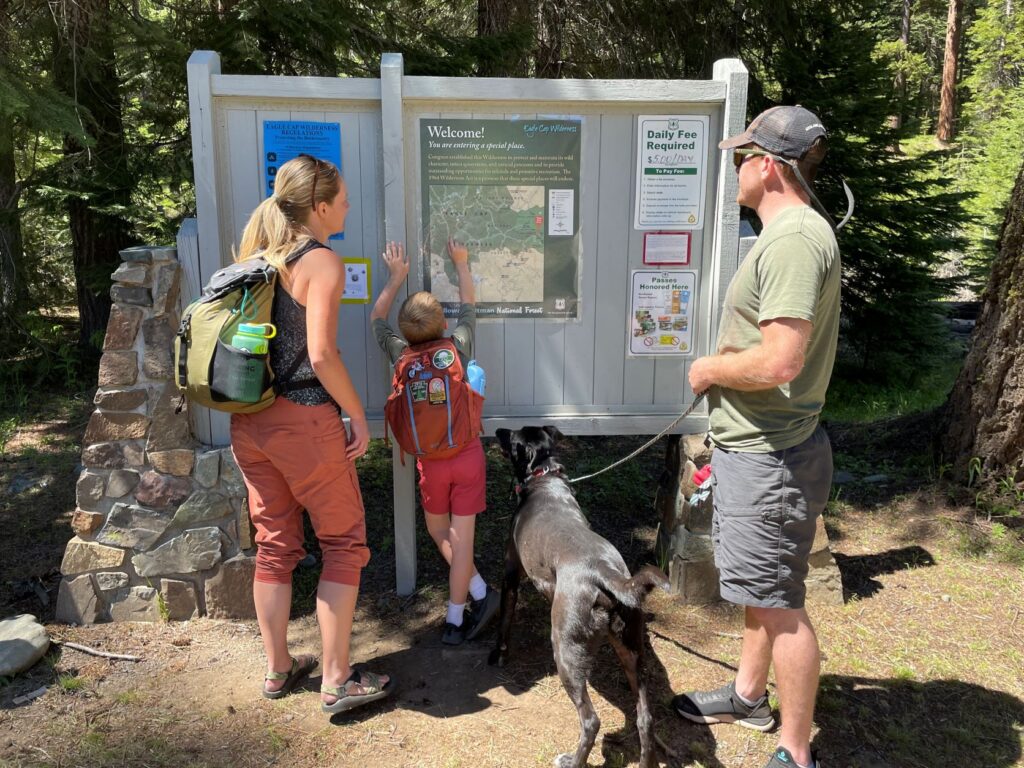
[751, 370]
[467, 291]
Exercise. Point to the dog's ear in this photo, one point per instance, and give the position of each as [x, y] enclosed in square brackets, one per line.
[524, 457]
[504, 440]
[554, 434]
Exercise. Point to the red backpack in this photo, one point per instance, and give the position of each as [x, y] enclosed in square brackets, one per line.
[432, 411]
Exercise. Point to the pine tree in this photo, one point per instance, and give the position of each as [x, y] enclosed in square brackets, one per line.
[33, 114]
[993, 139]
[95, 176]
[824, 57]
[946, 127]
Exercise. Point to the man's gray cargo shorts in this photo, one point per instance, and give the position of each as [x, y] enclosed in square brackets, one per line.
[766, 509]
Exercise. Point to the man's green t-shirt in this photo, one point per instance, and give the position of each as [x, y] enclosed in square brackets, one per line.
[792, 271]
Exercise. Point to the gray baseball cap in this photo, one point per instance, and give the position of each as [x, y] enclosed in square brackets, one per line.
[785, 131]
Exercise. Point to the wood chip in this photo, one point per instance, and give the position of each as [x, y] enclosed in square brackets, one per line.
[27, 697]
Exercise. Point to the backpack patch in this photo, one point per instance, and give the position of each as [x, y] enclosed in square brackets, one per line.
[432, 411]
[419, 391]
[437, 394]
[443, 358]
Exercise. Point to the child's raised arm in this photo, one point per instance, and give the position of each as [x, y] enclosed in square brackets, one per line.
[398, 268]
[459, 254]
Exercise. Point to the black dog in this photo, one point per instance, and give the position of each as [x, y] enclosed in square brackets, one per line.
[591, 592]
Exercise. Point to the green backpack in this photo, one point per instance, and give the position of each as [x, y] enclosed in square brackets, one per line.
[209, 371]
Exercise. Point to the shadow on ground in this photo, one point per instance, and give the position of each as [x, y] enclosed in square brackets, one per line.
[859, 571]
[871, 723]
[462, 683]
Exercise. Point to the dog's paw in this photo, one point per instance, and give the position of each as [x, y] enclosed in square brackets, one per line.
[567, 760]
[497, 657]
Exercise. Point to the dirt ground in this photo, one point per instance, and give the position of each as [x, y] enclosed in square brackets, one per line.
[924, 664]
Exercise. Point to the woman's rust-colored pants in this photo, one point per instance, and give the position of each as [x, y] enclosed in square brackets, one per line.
[293, 458]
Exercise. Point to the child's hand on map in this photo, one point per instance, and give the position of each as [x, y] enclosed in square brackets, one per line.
[396, 261]
[457, 252]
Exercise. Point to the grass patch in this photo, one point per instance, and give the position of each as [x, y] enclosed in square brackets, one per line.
[853, 400]
[276, 740]
[69, 683]
[128, 697]
[8, 428]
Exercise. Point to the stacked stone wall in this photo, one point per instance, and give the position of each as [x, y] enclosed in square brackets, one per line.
[161, 525]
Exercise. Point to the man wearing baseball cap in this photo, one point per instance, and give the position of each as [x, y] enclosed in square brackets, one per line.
[772, 464]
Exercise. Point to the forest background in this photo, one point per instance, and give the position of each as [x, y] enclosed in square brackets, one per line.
[923, 100]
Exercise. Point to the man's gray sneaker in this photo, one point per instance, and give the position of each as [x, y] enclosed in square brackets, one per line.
[724, 706]
[783, 759]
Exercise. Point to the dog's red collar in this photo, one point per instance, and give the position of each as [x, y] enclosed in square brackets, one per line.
[536, 473]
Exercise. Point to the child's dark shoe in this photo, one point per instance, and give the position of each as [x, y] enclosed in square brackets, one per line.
[481, 612]
[452, 634]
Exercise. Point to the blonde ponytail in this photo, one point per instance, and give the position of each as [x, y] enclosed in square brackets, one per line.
[278, 224]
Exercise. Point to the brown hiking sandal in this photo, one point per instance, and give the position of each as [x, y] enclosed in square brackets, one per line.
[346, 699]
[302, 665]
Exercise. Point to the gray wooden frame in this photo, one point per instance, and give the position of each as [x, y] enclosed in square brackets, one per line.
[575, 375]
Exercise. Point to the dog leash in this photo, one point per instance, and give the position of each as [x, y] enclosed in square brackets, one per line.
[646, 445]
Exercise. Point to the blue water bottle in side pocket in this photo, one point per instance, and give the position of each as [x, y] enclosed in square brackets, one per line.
[477, 378]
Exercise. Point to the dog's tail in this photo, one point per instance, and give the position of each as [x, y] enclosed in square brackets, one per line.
[631, 592]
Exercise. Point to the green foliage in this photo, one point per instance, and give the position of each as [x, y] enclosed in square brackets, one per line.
[852, 398]
[993, 139]
[8, 429]
[26, 92]
[995, 496]
[906, 220]
[40, 352]
[70, 683]
[839, 59]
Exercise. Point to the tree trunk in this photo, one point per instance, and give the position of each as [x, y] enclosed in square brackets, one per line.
[985, 411]
[550, 28]
[98, 178]
[12, 284]
[498, 18]
[947, 108]
[896, 121]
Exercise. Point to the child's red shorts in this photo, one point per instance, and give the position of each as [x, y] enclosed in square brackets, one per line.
[457, 485]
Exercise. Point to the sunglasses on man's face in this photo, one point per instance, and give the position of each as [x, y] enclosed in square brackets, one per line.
[740, 156]
[316, 176]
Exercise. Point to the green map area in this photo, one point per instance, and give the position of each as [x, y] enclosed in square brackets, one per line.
[503, 227]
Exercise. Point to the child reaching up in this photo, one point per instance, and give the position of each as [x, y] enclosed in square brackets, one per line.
[435, 415]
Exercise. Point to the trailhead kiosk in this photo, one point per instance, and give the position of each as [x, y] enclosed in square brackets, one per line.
[600, 217]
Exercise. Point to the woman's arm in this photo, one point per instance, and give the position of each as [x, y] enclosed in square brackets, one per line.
[323, 298]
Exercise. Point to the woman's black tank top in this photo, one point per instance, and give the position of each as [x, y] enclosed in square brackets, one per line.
[291, 341]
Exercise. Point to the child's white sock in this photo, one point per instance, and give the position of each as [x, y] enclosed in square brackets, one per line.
[455, 613]
[477, 587]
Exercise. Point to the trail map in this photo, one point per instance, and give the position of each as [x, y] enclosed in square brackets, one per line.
[509, 189]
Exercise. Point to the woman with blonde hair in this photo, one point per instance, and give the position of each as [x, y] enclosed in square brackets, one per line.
[296, 454]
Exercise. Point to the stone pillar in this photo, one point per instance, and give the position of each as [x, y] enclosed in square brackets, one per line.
[684, 534]
[156, 513]
[684, 542]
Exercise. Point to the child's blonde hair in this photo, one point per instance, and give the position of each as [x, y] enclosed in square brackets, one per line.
[421, 318]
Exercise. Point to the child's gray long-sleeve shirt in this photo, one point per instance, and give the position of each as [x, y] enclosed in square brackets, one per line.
[463, 336]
